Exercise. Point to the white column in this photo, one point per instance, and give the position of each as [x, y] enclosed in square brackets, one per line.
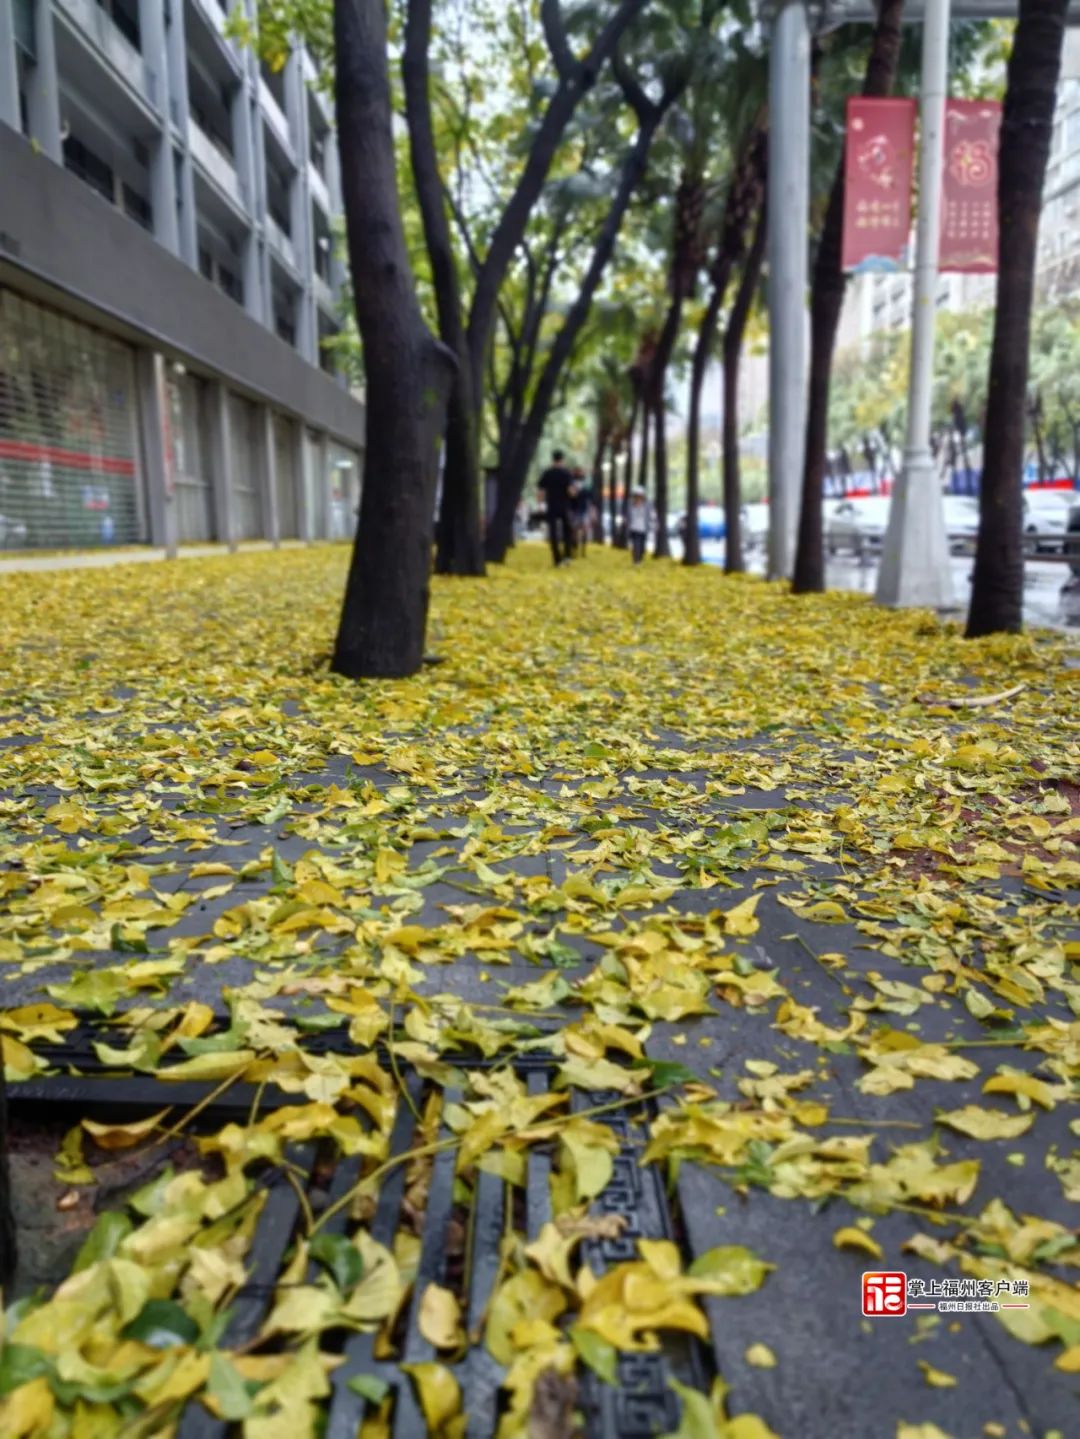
[162, 170]
[9, 70]
[221, 476]
[155, 423]
[179, 115]
[268, 474]
[788, 201]
[43, 86]
[307, 331]
[305, 483]
[915, 566]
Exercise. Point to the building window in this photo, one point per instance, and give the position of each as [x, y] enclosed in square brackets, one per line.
[230, 284]
[125, 16]
[206, 263]
[90, 168]
[140, 210]
[285, 330]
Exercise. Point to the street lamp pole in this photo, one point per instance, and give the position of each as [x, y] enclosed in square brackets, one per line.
[788, 201]
[915, 561]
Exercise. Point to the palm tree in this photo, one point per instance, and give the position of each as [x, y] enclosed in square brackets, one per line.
[997, 594]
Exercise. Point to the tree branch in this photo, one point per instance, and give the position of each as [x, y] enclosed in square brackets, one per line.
[555, 35]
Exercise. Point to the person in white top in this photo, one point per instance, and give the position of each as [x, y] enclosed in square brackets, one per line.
[638, 523]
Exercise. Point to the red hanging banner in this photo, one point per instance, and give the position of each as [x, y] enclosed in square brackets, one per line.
[878, 159]
[969, 215]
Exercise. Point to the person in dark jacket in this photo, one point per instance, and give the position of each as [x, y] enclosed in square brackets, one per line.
[555, 484]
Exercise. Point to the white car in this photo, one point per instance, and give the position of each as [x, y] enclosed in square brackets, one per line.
[857, 524]
[961, 521]
[1046, 518]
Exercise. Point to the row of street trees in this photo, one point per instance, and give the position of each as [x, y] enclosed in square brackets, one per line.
[572, 207]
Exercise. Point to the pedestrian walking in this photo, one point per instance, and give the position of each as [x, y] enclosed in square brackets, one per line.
[638, 523]
[555, 484]
[580, 511]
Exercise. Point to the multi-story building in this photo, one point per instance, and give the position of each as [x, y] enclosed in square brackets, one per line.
[167, 282]
[1059, 229]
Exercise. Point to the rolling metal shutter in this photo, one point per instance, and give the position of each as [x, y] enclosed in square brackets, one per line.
[191, 461]
[285, 478]
[68, 471]
[245, 468]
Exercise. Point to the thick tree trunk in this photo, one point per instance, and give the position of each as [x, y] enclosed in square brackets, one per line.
[512, 481]
[459, 549]
[826, 302]
[7, 1222]
[661, 543]
[733, 341]
[598, 482]
[409, 373]
[997, 594]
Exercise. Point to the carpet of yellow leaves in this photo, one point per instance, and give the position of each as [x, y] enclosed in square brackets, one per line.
[530, 844]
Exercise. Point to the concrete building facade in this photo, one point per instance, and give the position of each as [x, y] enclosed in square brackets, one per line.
[167, 281]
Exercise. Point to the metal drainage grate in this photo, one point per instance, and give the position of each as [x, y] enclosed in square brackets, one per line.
[640, 1405]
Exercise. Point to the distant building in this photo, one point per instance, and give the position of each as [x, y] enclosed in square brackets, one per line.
[167, 281]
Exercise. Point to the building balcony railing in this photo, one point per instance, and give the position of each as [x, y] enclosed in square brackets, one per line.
[280, 242]
[120, 54]
[275, 116]
[324, 295]
[216, 164]
[320, 192]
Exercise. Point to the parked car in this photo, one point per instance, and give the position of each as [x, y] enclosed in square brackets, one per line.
[961, 522]
[1046, 518]
[1072, 539]
[856, 525]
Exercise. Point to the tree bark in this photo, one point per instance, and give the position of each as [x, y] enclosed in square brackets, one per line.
[7, 1221]
[459, 548]
[733, 342]
[997, 593]
[826, 302]
[658, 386]
[409, 372]
[512, 481]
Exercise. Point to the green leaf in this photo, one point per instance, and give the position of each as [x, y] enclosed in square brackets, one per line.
[19, 1363]
[341, 1257]
[162, 1324]
[666, 1072]
[601, 1357]
[226, 1386]
[104, 1239]
[369, 1387]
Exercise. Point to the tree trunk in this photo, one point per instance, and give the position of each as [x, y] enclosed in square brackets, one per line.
[733, 341]
[826, 302]
[512, 482]
[743, 200]
[7, 1221]
[409, 373]
[658, 387]
[598, 481]
[620, 512]
[997, 594]
[459, 548]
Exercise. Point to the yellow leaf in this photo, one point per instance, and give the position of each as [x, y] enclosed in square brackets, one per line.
[440, 1318]
[741, 919]
[936, 1378]
[852, 1238]
[760, 1356]
[1013, 1082]
[210, 1066]
[1068, 1361]
[985, 1123]
[440, 1399]
[123, 1136]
